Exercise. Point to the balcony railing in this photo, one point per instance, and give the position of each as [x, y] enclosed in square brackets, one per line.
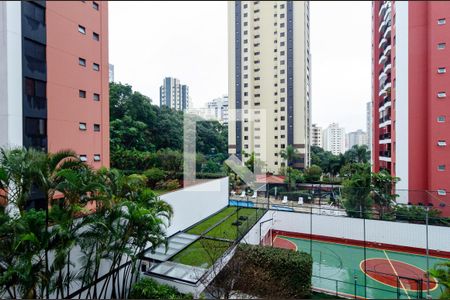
[385, 118]
[385, 136]
[385, 153]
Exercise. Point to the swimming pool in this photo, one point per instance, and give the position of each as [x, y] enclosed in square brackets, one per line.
[282, 208]
[241, 203]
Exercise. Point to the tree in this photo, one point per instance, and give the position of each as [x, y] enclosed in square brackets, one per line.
[356, 192]
[383, 191]
[441, 272]
[289, 155]
[313, 173]
[154, 175]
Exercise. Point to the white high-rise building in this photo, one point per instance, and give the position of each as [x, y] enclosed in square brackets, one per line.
[358, 137]
[173, 94]
[111, 73]
[316, 136]
[334, 139]
[269, 80]
[219, 108]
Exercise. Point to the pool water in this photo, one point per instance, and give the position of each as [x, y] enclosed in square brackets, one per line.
[241, 203]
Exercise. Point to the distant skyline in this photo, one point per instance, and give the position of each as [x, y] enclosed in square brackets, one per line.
[189, 41]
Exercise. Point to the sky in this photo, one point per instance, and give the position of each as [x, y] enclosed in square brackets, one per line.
[188, 40]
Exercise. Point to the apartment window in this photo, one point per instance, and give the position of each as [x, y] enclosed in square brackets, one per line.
[441, 168]
[245, 76]
[95, 5]
[83, 126]
[96, 157]
[245, 5]
[282, 71]
[245, 23]
[36, 132]
[96, 127]
[82, 94]
[245, 50]
[83, 157]
[245, 67]
[255, 19]
[441, 46]
[282, 108]
[96, 97]
[256, 11]
[442, 94]
[282, 99]
[246, 58]
[283, 146]
[82, 62]
[257, 78]
[246, 138]
[245, 85]
[257, 95]
[95, 67]
[257, 53]
[95, 36]
[257, 36]
[245, 15]
[441, 21]
[245, 32]
[281, 15]
[441, 119]
[282, 90]
[81, 29]
[282, 127]
[36, 93]
[281, 25]
[245, 41]
[282, 136]
[441, 70]
[442, 143]
[245, 93]
[281, 6]
[245, 128]
[282, 118]
[245, 102]
[441, 192]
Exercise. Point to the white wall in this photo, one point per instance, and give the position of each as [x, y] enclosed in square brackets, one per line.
[254, 236]
[394, 233]
[10, 74]
[195, 203]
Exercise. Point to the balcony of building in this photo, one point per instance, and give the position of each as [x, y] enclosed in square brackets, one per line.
[387, 33]
[383, 9]
[384, 104]
[385, 155]
[383, 43]
[385, 138]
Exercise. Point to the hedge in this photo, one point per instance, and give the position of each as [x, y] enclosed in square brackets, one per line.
[147, 288]
[273, 272]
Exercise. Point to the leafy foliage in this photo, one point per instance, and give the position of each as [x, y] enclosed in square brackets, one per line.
[147, 288]
[270, 272]
[313, 173]
[442, 273]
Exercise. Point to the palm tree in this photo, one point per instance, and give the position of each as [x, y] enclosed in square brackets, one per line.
[289, 154]
[441, 272]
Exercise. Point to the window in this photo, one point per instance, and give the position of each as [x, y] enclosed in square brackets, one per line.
[282, 25]
[82, 62]
[82, 126]
[96, 127]
[442, 143]
[95, 67]
[95, 36]
[36, 93]
[442, 94]
[96, 157]
[441, 168]
[96, 97]
[95, 5]
[441, 119]
[245, 15]
[246, 138]
[281, 15]
[441, 192]
[35, 56]
[81, 29]
[441, 46]
[82, 94]
[83, 157]
[245, 41]
[441, 70]
[441, 21]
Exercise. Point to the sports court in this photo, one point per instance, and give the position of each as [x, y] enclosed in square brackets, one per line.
[342, 267]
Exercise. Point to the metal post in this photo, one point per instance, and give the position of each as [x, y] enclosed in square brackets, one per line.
[337, 288]
[428, 253]
[365, 258]
[310, 232]
[356, 282]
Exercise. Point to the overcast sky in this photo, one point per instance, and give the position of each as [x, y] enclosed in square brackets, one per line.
[188, 40]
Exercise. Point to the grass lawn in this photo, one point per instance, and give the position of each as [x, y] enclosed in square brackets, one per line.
[160, 192]
[229, 231]
[203, 226]
[202, 253]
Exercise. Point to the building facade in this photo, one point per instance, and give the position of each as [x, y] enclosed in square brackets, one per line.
[269, 80]
[357, 137]
[369, 125]
[173, 94]
[411, 128]
[334, 139]
[219, 108]
[54, 91]
[316, 136]
[111, 73]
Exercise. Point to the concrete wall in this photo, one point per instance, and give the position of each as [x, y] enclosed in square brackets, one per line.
[195, 203]
[253, 237]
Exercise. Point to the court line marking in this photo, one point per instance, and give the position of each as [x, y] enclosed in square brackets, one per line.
[395, 271]
[277, 237]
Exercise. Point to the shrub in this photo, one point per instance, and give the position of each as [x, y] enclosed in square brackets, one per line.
[313, 173]
[273, 272]
[154, 175]
[172, 184]
[148, 288]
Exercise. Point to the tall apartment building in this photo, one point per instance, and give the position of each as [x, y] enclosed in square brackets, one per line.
[316, 136]
[334, 139]
[54, 91]
[219, 108]
[411, 128]
[269, 80]
[173, 94]
[357, 137]
[369, 124]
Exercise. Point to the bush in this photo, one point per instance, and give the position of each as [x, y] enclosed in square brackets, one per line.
[170, 185]
[148, 288]
[154, 175]
[273, 272]
[313, 173]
